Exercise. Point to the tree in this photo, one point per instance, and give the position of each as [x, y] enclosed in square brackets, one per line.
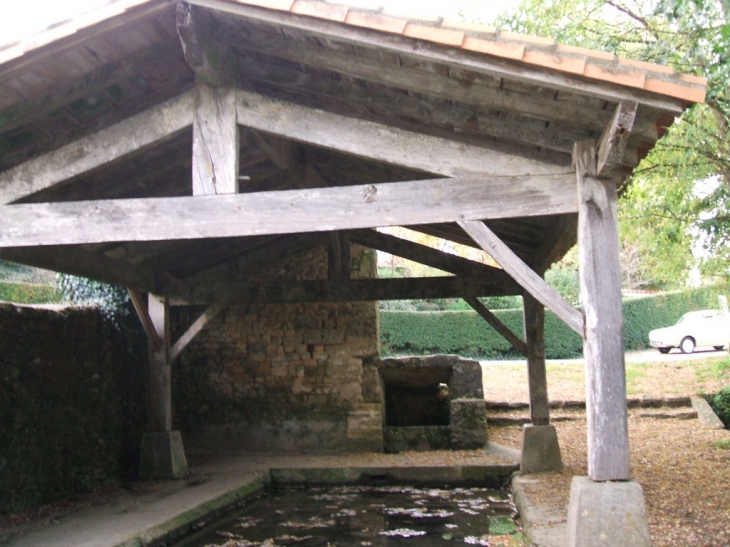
[678, 199]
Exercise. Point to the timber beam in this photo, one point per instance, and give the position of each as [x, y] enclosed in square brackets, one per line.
[291, 211]
[381, 142]
[339, 290]
[526, 277]
[430, 257]
[497, 325]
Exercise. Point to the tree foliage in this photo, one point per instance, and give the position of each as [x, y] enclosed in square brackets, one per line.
[113, 301]
[678, 198]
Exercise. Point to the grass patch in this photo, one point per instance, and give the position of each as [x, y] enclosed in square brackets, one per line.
[722, 445]
[28, 293]
[634, 372]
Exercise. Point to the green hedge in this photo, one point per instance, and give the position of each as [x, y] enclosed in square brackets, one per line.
[465, 333]
[28, 293]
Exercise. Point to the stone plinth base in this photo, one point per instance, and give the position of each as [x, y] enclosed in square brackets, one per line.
[162, 456]
[540, 449]
[607, 513]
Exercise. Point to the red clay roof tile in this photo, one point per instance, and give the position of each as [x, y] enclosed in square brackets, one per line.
[434, 34]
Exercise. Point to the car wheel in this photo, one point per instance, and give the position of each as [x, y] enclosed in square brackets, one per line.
[664, 350]
[718, 348]
[687, 345]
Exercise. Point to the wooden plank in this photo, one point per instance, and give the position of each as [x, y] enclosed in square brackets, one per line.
[497, 325]
[338, 256]
[140, 306]
[291, 211]
[615, 137]
[437, 53]
[431, 257]
[352, 290]
[95, 150]
[198, 325]
[534, 320]
[215, 141]
[521, 273]
[600, 279]
[390, 102]
[159, 417]
[380, 142]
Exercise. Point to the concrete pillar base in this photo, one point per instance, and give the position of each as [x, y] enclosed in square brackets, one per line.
[162, 456]
[607, 513]
[540, 449]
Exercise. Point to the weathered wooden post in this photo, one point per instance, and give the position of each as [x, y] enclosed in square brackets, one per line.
[162, 453]
[540, 446]
[605, 507]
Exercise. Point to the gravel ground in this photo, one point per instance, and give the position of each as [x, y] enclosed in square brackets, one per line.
[684, 475]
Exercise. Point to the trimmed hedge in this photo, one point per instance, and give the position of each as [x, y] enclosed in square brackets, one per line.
[465, 333]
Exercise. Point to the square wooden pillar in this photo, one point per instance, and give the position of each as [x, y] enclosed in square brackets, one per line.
[606, 504]
[162, 453]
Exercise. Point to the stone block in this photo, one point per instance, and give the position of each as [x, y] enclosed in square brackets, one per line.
[468, 421]
[417, 438]
[324, 337]
[162, 456]
[466, 380]
[607, 513]
[540, 449]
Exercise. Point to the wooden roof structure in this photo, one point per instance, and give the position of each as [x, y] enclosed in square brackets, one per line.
[176, 147]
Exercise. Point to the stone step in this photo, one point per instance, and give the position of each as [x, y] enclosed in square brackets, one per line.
[632, 402]
[519, 417]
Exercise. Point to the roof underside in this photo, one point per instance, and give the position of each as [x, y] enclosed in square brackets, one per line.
[107, 72]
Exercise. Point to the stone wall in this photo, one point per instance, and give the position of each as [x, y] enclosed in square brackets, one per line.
[281, 376]
[72, 405]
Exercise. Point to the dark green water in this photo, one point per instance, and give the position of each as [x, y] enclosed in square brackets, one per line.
[365, 516]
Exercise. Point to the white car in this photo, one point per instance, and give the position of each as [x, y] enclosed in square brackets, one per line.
[701, 328]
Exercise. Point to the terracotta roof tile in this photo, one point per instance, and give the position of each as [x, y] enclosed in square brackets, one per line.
[699, 80]
[434, 34]
[507, 50]
[605, 55]
[643, 65]
[280, 5]
[615, 75]
[691, 94]
[320, 10]
[423, 25]
[472, 27]
[376, 21]
[527, 39]
[555, 61]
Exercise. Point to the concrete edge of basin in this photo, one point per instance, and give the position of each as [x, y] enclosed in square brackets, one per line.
[187, 521]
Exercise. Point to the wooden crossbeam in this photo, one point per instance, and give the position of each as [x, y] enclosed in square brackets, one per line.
[380, 142]
[92, 151]
[497, 325]
[292, 211]
[521, 273]
[339, 290]
[558, 239]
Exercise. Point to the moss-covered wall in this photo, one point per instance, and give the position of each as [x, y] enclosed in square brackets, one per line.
[71, 403]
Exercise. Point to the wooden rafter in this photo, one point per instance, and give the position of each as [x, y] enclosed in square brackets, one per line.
[98, 149]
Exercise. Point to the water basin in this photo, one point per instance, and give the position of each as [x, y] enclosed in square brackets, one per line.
[365, 516]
